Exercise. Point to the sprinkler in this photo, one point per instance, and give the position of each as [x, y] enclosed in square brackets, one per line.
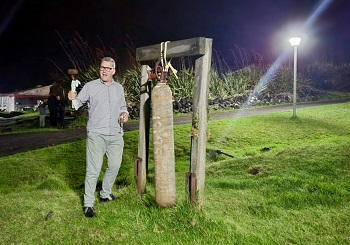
[219, 152]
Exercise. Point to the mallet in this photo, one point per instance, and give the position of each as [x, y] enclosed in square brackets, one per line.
[74, 84]
[72, 73]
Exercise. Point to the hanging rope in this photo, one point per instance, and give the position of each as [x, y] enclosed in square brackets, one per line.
[165, 64]
[161, 68]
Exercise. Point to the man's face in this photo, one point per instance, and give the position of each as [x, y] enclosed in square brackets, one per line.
[106, 71]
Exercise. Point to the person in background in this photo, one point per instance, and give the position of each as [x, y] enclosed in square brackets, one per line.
[107, 111]
[61, 110]
[41, 107]
[52, 104]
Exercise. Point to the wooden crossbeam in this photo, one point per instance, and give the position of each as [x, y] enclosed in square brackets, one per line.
[186, 47]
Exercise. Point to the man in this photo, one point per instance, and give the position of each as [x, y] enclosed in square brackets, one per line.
[52, 104]
[61, 110]
[107, 111]
[41, 106]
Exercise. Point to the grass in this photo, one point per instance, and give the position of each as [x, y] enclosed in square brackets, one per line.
[287, 184]
[22, 122]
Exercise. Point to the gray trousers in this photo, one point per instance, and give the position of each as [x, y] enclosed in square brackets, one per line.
[42, 121]
[97, 145]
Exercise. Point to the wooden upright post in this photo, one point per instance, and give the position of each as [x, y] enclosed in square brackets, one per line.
[144, 124]
[199, 119]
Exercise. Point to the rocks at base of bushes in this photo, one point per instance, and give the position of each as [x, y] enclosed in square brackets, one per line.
[237, 101]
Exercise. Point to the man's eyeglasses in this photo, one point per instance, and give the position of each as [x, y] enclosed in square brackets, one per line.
[104, 68]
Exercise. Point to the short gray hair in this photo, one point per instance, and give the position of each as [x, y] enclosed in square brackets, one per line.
[109, 59]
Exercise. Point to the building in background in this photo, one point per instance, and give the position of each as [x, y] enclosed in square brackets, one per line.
[23, 100]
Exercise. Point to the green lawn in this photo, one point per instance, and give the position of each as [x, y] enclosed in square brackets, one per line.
[287, 184]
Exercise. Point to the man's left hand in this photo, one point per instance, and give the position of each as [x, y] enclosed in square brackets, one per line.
[124, 117]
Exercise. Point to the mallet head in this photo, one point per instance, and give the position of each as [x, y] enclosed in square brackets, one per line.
[72, 72]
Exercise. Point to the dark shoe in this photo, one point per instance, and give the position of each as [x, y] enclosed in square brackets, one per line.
[89, 212]
[108, 199]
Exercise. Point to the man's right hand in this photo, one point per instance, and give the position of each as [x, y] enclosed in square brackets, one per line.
[72, 95]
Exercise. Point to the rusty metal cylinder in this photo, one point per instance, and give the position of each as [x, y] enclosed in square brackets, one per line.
[163, 142]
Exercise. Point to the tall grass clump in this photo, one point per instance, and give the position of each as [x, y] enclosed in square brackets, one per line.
[240, 76]
[131, 83]
[182, 86]
[282, 83]
[328, 75]
[84, 58]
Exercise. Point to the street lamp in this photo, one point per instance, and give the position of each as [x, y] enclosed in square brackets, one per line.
[295, 41]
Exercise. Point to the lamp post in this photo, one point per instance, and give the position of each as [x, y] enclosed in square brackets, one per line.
[295, 41]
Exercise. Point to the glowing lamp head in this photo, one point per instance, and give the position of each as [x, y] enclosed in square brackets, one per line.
[295, 41]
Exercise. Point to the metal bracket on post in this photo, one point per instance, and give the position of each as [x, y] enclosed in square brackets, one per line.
[191, 182]
[138, 174]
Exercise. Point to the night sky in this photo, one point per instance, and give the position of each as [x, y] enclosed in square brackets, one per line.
[30, 29]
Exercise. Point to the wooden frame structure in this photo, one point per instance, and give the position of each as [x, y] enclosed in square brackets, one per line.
[201, 48]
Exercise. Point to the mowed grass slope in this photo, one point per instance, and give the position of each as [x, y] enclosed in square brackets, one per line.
[287, 184]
